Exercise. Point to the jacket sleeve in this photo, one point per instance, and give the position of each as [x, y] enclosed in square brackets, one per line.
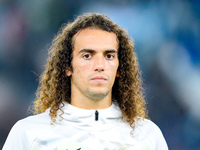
[161, 143]
[153, 134]
[156, 137]
[16, 138]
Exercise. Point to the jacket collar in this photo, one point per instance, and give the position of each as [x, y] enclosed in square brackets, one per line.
[85, 119]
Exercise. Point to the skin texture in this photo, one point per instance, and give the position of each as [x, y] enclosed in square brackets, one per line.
[95, 63]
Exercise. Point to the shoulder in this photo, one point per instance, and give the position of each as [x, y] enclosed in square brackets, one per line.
[39, 120]
[26, 130]
[34, 124]
[146, 125]
[151, 132]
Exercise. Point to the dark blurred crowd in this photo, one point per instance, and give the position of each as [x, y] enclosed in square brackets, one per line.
[166, 35]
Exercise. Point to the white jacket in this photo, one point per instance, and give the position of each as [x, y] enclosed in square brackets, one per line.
[82, 129]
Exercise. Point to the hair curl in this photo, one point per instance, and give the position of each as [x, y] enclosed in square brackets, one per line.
[55, 87]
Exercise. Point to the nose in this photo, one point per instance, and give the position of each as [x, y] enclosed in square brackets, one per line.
[99, 64]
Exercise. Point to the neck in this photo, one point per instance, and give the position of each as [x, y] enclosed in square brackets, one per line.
[90, 105]
[87, 103]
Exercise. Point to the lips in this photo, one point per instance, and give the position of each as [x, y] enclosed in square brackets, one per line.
[99, 79]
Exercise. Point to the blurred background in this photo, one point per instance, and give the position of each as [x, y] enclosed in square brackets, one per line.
[167, 42]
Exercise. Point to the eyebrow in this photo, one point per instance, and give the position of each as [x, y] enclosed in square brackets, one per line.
[94, 51]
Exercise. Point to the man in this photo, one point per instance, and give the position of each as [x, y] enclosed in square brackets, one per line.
[90, 96]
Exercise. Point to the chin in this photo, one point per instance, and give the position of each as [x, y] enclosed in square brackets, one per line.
[99, 95]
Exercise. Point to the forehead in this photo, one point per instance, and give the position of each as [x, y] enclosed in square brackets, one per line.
[95, 37]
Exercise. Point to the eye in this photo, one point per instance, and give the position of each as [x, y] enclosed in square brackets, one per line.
[110, 56]
[87, 56]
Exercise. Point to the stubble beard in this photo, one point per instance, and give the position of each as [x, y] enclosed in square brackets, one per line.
[94, 96]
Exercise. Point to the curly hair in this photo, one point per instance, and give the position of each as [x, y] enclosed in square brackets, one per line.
[55, 87]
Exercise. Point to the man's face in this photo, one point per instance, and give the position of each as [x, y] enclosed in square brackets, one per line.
[95, 63]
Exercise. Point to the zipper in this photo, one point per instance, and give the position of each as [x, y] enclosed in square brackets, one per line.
[96, 115]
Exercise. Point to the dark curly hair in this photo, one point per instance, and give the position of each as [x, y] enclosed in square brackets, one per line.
[55, 87]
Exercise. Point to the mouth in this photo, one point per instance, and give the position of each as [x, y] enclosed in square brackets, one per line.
[99, 79]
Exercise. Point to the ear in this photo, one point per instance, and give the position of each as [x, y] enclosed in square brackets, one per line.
[68, 72]
[117, 74]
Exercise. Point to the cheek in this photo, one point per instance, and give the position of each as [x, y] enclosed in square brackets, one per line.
[84, 66]
[114, 66]
[82, 69]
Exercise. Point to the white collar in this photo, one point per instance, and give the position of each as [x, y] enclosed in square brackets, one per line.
[85, 119]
